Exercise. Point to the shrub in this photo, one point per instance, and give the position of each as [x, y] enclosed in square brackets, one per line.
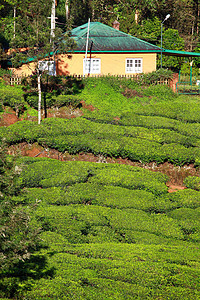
[192, 182]
[184, 198]
[52, 173]
[188, 221]
[134, 178]
[65, 100]
[13, 97]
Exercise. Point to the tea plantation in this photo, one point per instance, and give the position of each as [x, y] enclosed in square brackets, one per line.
[162, 127]
[113, 231]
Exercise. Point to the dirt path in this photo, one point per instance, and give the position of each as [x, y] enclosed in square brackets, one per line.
[176, 174]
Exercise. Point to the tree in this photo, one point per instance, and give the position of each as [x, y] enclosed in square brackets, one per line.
[172, 41]
[34, 40]
[19, 237]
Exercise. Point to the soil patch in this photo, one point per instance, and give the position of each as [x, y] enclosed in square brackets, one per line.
[129, 93]
[86, 106]
[8, 118]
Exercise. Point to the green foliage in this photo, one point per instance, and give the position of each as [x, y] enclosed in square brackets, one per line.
[56, 91]
[150, 30]
[112, 231]
[188, 220]
[66, 100]
[13, 97]
[184, 198]
[185, 70]
[167, 124]
[77, 135]
[4, 72]
[172, 41]
[49, 174]
[192, 182]
[18, 235]
[132, 179]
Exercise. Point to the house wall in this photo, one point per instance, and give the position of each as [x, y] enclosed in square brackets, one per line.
[24, 70]
[113, 64]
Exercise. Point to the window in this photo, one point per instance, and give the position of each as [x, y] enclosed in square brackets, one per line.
[48, 66]
[134, 65]
[92, 66]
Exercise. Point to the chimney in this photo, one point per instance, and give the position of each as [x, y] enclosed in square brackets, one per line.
[116, 24]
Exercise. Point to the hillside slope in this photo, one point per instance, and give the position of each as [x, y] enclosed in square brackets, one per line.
[112, 231]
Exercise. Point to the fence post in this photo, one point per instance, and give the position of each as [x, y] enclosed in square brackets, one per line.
[173, 82]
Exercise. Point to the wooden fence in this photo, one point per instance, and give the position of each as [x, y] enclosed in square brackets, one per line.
[16, 80]
[136, 77]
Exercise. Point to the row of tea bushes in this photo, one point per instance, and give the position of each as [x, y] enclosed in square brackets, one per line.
[80, 135]
[51, 173]
[45, 173]
[97, 224]
[51, 128]
[132, 119]
[113, 197]
[177, 110]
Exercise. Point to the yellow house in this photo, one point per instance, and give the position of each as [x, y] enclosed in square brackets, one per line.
[109, 51]
[103, 50]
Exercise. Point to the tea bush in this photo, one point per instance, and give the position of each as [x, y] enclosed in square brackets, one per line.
[188, 220]
[81, 135]
[192, 182]
[177, 110]
[13, 97]
[134, 178]
[187, 198]
[52, 173]
[65, 100]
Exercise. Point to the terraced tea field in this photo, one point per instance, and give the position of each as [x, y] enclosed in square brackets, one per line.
[113, 231]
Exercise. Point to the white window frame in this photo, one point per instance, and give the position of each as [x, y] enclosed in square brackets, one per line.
[92, 66]
[45, 65]
[134, 65]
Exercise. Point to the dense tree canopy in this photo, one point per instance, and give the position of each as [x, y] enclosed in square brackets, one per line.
[139, 18]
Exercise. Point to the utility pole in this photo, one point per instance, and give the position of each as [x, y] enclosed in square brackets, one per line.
[53, 20]
[14, 21]
[166, 18]
[53, 26]
[67, 9]
[86, 50]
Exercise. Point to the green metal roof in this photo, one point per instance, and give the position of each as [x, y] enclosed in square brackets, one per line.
[180, 53]
[103, 38]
